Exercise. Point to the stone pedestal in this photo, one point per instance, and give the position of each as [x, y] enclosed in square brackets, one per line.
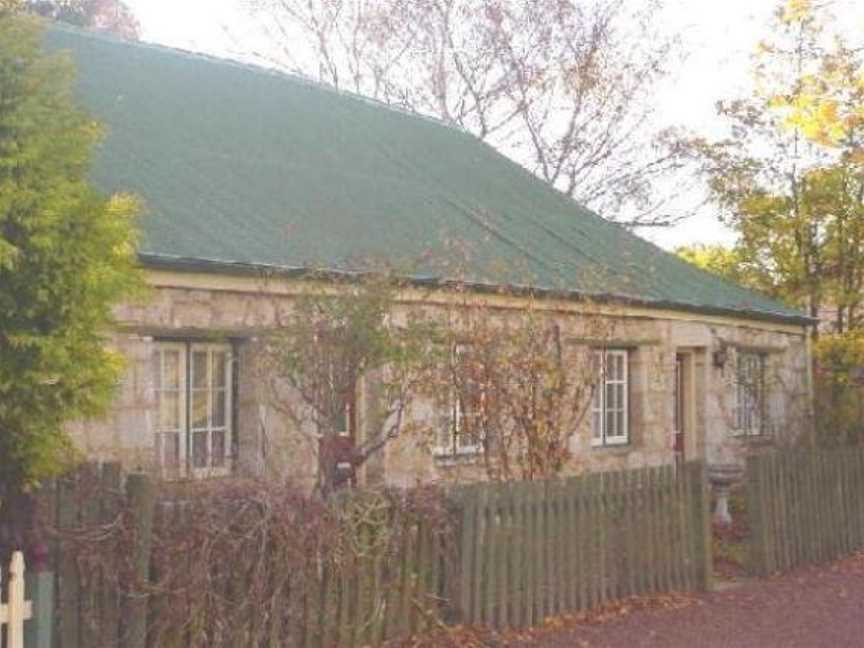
[721, 509]
[722, 478]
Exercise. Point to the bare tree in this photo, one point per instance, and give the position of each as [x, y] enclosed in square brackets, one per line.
[516, 389]
[332, 345]
[562, 86]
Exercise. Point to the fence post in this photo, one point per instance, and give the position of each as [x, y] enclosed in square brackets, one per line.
[68, 577]
[698, 483]
[38, 633]
[462, 591]
[757, 558]
[16, 610]
[142, 499]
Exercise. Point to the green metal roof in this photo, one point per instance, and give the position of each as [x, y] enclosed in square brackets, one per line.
[242, 167]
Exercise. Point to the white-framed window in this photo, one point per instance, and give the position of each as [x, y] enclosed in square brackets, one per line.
[610, 405]
[460, 430]
[169, 382]
[194, 400]
[750, 396]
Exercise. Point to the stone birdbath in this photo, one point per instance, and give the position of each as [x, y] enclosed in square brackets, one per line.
[722, 477]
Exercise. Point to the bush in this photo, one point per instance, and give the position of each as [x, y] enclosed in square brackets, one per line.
[246, 563]
[839, 393]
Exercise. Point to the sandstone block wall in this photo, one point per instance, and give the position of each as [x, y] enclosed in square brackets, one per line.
[268, 444]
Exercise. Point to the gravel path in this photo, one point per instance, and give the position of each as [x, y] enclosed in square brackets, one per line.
[810, 608]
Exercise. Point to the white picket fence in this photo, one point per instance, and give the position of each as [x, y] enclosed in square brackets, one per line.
[17, 609]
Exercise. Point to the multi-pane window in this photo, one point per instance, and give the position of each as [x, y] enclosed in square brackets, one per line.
[169, 381]
[609, 408]
[750, 400]
[209, 406]
[460, 432]
[192, 383]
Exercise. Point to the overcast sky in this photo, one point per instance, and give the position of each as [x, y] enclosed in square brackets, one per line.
[718, 35]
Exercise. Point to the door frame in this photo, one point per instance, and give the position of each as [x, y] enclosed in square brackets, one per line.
[684, 405]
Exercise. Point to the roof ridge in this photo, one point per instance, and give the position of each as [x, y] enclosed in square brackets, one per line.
[295, 77]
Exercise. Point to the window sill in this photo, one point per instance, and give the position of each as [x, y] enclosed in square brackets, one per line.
[463, 457]
[210, 473]
[611, 445]
[196, 474]
[758, 440]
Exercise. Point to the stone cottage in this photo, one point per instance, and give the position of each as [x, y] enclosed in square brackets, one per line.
[251, 177]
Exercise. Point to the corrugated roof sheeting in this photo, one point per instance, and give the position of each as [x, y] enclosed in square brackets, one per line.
[242, 165]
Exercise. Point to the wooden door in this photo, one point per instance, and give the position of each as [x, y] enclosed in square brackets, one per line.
[680, 406]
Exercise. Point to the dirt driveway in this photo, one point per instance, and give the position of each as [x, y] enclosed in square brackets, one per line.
[809, 608]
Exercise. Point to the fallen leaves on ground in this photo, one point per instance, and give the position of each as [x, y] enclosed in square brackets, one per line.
[827, 593]
[475, 637]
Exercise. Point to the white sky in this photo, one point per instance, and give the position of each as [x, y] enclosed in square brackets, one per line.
[719, 36]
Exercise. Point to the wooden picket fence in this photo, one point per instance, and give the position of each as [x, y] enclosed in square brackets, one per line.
[533, 550]
[806, 506]
[519, 553]
[380, 597]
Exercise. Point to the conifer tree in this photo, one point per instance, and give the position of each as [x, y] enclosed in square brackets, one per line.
[67, 255]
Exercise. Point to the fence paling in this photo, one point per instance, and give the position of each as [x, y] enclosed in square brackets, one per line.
[68, 577]
[89, 621]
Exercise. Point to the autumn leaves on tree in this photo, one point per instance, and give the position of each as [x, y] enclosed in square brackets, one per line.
[112, 16]
[790, 181]
[790, 175]
[505, 389]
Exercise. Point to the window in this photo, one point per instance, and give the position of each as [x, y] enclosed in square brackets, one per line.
[609, 408]
[345, 424]
[194, 397]
[460, 432]
[169, 377]
[750, 394]
[344, 414]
